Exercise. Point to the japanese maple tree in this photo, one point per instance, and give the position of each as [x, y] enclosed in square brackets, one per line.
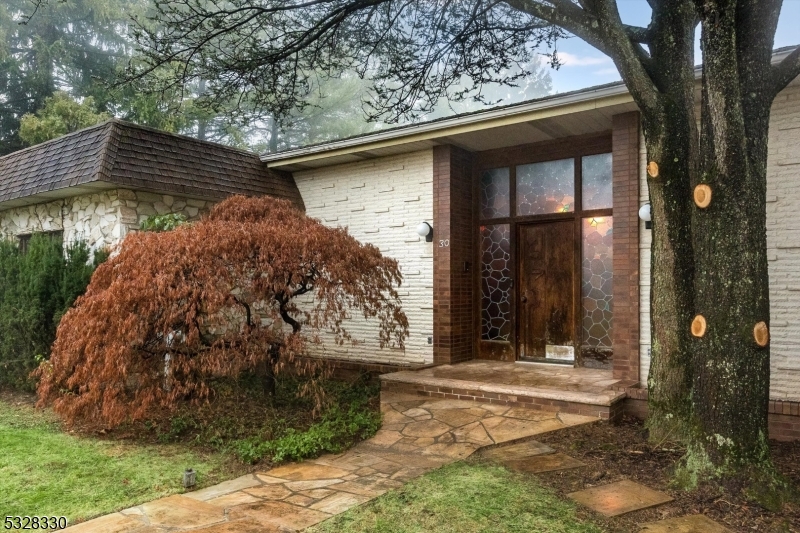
[248, 287]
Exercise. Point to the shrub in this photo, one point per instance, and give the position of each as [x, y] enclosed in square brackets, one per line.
[336, 430]
[167, 222]
[220, 297]
[36, 289]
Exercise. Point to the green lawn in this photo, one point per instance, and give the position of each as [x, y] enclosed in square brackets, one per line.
[44, 471]
[464, 497]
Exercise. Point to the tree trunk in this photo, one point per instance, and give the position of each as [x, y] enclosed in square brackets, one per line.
[202, 122]
[671, 140]
[273, 135]
[268, 381]
[672, 274]
[731, 371]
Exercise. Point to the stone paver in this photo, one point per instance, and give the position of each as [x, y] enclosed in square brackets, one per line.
[226, 487]
[180, 511]
[232, 500]
[417, 436]
[517, 451]
[544, 463]
[117, 522]
[553, 382]
[619, 498]
[280, 515]
[695, 523]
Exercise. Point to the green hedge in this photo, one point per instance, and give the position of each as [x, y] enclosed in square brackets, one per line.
[36, 289]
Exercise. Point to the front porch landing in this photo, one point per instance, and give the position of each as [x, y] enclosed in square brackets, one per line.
[546, 387]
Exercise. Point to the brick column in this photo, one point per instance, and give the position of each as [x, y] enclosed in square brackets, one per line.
[625, 142]
[453, 241]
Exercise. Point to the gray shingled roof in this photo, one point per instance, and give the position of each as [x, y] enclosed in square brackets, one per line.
[119, 154]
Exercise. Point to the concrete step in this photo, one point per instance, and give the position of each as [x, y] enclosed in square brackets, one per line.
[606, 404]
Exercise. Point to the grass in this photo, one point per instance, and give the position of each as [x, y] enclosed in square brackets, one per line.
[464, 497]
[44, 471]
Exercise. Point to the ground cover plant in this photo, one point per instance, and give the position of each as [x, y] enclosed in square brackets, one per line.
[464, 497]
[46, 471]
[36, 288]
[174, 310]
[238, 420]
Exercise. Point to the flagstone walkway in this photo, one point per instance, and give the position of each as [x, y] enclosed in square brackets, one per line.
[417, 436]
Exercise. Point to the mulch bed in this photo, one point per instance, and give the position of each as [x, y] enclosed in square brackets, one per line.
[614, 453]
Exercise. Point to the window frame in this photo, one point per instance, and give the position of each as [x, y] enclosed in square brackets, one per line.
[25, 238]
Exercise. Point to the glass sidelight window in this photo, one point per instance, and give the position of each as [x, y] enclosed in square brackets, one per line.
[496, 282]
[597, 281]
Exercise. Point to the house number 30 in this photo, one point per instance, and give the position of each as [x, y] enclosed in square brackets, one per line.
[444, 243]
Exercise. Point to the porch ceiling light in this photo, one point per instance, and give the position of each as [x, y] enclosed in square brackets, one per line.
[425, 230]
[645, 215]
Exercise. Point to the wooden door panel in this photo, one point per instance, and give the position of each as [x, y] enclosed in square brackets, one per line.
[560, 290]
[532, 291]
[546, 288]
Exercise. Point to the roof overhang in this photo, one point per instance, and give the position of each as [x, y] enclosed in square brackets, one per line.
[95, 187]
[590, 111]
[58, 194]
[576, 113]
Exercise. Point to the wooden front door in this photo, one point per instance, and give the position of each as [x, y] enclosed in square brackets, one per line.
[546, 328]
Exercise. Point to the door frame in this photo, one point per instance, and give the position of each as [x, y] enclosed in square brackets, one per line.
[570, 147]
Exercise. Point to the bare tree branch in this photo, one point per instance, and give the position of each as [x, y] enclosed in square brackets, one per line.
[637, 34]
[604, 30]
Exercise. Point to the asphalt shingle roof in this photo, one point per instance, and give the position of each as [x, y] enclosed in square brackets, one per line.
[140, 158]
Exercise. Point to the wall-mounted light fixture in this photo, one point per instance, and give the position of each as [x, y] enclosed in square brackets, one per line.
[425, 230]
[644, 214]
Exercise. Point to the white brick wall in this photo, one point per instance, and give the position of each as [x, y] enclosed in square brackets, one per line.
[783, 243]
[783, 248]
[645, 240]
[381, 201]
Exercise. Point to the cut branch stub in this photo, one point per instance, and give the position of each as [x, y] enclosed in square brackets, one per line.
[702, 195]
[652, 169]
[699, 326]
[761, 334]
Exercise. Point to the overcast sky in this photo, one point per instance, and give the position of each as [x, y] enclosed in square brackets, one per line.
[584, 66]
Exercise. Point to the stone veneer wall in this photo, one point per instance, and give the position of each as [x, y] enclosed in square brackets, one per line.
[101, 219]
[382, 201]
[783, 249]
